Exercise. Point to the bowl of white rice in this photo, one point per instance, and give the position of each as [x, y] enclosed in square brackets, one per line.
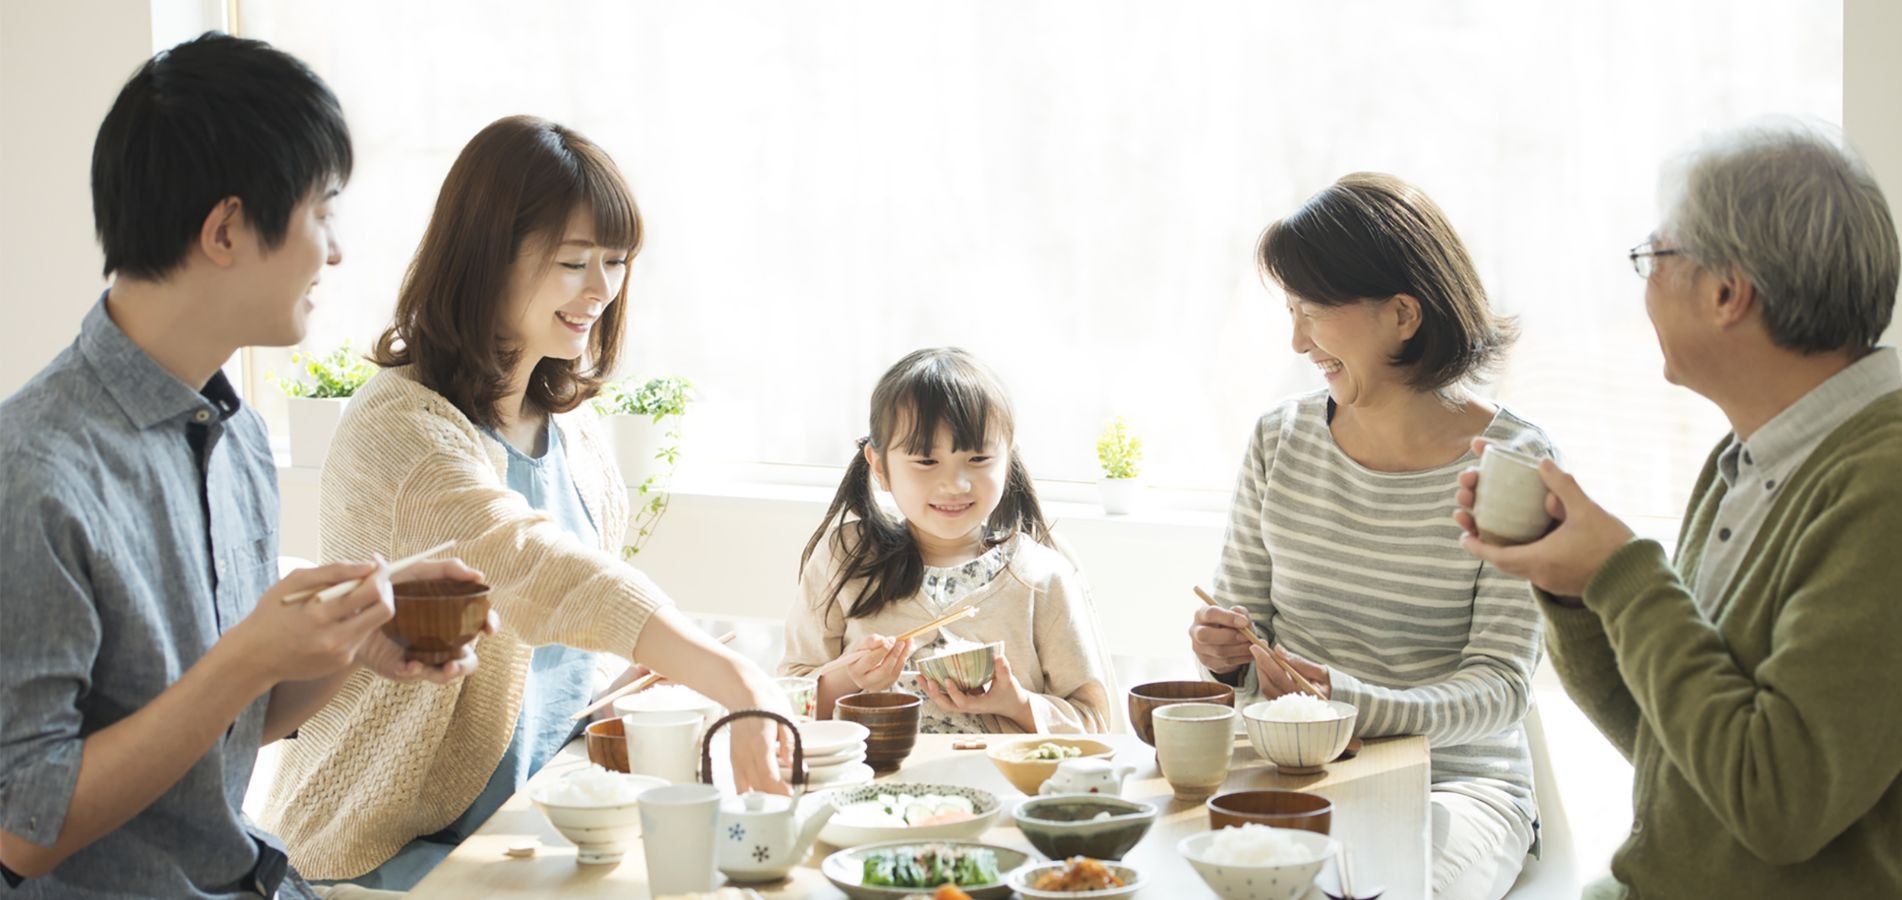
[597, 809]
[1257, 862]
[1299, 733]
[671, 698]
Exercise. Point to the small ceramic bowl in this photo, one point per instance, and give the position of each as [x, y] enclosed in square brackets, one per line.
[1144, 698]
[601, 834]
[436, 618]
[1095, 825]
[607, 744]
[1299, 748]
[1233, 881]
[802, 695]
[968, 669]
[892, 719]
[1022, 879]
[1028, 775]
[1281, 809]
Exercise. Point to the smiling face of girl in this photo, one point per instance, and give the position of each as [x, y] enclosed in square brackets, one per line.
[946, 491]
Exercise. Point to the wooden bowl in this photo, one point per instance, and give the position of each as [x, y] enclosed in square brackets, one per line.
[1144, 698]
[891, 717]
[435, 619]
[607, 744]
[1281, 809]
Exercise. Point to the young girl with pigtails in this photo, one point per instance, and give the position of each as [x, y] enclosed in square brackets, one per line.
[969, 532]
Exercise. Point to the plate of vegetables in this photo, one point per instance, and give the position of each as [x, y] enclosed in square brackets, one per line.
[903, 811]
[901, 868]
[1077, 876]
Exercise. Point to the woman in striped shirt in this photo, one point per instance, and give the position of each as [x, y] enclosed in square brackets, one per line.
[1341, 545]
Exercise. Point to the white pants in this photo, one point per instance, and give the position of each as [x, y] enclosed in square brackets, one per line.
[1477, 849]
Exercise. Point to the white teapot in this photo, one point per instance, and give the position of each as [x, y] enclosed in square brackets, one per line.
[1087, 776]
[760, 836]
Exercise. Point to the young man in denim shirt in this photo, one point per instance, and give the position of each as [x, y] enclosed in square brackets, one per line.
[145, 652]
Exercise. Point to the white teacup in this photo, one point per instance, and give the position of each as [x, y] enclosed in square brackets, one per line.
[1194, 742]
[664, 744]
[1509, 505]
[677, 837]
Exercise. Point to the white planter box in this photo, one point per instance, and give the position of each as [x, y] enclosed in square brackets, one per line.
[313, 424]
[638, 442]
[1120, 495]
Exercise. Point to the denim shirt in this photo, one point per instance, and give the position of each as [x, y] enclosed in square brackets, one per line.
[140, 525]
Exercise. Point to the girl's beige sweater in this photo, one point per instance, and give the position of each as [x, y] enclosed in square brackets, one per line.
[1038, 606]
[384, 762]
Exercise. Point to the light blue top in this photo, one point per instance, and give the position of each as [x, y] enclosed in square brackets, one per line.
[560, 681]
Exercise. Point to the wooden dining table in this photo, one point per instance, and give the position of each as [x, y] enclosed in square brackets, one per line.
[1380, 815]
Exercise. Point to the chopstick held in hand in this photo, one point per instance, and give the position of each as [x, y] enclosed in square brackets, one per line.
[1255, 639]
[338, 590]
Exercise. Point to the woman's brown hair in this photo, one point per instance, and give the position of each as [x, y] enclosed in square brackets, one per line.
[1371, 236]
[511, 190]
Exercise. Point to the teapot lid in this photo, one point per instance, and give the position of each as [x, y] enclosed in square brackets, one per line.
[756, 802]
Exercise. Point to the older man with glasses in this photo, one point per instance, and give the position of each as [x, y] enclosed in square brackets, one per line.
[1754, 680]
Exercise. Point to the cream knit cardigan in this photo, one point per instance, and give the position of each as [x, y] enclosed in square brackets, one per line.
[385, 763]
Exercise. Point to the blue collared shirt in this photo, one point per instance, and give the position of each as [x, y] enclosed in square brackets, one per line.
[140, 525]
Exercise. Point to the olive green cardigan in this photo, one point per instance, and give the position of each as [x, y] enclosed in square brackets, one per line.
[1766, 737]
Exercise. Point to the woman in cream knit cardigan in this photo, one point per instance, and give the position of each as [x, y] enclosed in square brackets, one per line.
[477, 430]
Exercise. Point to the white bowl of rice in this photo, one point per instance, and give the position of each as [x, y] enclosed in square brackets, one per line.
[1258, 862]
[1299, 733]
[671, 698]
[597, 809]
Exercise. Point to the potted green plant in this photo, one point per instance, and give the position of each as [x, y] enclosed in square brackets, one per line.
[318, 392]
[1120, 454]
[645, 423]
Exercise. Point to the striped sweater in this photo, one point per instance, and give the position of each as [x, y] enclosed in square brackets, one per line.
[1362, 571]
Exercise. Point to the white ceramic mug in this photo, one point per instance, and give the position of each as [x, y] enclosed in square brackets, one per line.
[664, 743]
[677, 831]
[1509, 505]
[1194, 742]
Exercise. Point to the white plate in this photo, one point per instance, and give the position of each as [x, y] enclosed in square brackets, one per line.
[852, 753]
[1019, 880]
[844, 834]
[846, 870]
[844, 776]
[831, 736]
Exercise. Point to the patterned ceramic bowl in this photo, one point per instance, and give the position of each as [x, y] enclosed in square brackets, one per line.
[968, 669]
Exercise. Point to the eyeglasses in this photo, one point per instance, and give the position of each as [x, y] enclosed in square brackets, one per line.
[1644, 256]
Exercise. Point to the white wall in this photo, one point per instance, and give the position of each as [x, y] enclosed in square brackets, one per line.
[61, 64]
[1872, 73]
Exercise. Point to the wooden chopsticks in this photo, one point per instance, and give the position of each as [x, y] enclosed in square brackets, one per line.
[338, 590]
[1257, 641]
[633, 687]
[963, 612]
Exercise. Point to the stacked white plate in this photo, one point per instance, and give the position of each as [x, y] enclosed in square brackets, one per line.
[835, 753]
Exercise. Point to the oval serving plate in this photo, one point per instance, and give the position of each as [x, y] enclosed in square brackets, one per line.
[846, 870]
[845, 834]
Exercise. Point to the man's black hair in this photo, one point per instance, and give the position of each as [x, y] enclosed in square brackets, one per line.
[214, 117]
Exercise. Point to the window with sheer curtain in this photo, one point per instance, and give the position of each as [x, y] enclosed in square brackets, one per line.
[1073, 191]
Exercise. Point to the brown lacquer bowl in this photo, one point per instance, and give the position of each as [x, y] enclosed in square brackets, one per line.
[1145, 698]
[1280, 809]
[435, 619]
[891, 717]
